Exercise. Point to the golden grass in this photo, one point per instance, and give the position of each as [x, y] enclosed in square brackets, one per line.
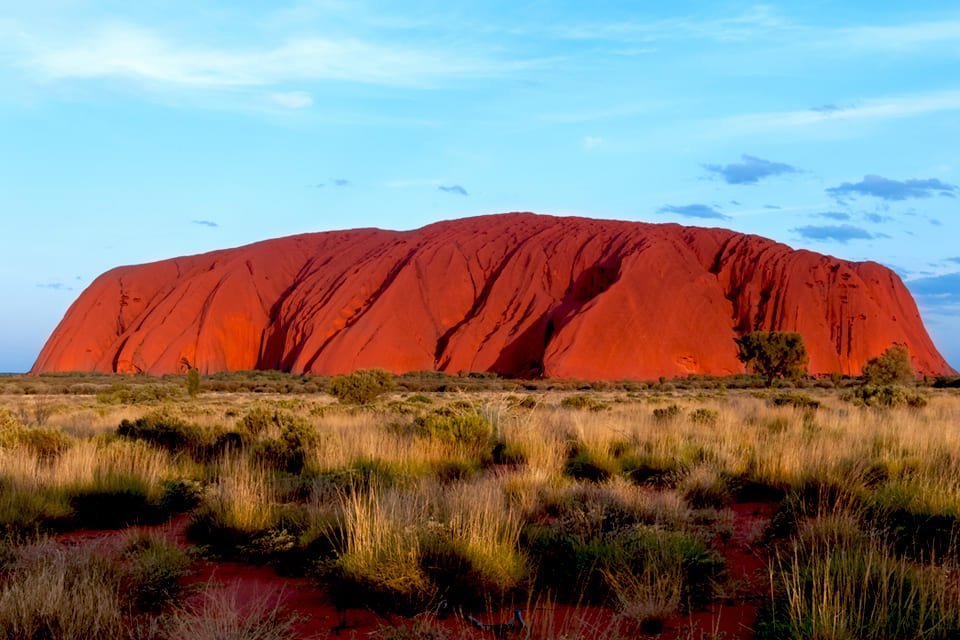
[387, 523]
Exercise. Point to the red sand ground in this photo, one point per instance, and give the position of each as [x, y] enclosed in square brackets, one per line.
[517, 294]
[318, 618]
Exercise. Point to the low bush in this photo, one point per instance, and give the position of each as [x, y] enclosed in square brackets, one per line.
[465, 428]
[361, 387]
[288, 451]
[155, 568]
[796, 400]
[704, 487]
[165, 431]
[113, 501]
[886, 396]
[584, 464]
[582, 402]
[704, 416]
[666, 414]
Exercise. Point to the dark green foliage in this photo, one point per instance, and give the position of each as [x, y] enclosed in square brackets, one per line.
[466, 428]
[24, 513]
[361, 387]
[583, 464]
[886, 397]
[365, 472]
[154, 573]
[892, 367]
[505, 452]
[704, 416]
[180, 495]
[774, 354]
[666, 414]
[641, 469]
[287, 452]
[455, 470]
[796, 400]
[139, 393]
[582, 401]
[455, 576]
[913, 528]
[164, 431]
[47, 444]
[572, 565]
[113, 502]
[193, 382]
[257, 420]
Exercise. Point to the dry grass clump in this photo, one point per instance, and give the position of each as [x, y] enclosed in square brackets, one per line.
[409, 546]
[93, 483]
[836, 582]
[75, 593]
[223, 614]
[51, 592]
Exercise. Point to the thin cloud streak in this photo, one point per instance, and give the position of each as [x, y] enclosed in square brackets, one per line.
[873, 109]
[130, 52]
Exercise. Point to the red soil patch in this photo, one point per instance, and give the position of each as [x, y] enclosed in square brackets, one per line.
[746, 564]
[318, 617]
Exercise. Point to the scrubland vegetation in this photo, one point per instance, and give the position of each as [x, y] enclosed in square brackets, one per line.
[621, 508]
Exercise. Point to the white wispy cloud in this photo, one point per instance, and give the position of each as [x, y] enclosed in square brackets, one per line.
[900, 36]
[292, 99]
[755, 21]
[131, 52]
[872, 109]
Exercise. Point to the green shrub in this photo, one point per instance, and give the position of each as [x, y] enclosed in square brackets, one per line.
[288, 452]
[583, 464]
[193, 382]
[164, 431]
[465, 428]
[797, 400]
[508, 453]
[26, 511]
[666, 414]
[704, 487]
[139, 393]
[582, 401]
[641, 469]
[113, 501]
[704, 416]
[361, 387]
[155, 570]
[888, 396]
[583, 569]
[45, 443]
[891, 368]
[836, 584]
[180, 495]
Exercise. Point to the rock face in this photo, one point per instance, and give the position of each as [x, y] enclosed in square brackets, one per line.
[519, 294]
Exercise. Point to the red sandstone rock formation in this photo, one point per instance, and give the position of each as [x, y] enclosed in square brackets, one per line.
[518, 294]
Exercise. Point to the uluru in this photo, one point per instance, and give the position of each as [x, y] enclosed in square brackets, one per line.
[518, 294]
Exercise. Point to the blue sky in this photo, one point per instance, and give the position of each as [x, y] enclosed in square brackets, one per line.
[135, 131]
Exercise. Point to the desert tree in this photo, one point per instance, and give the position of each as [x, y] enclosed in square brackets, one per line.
[892, 367]
[773, 354]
